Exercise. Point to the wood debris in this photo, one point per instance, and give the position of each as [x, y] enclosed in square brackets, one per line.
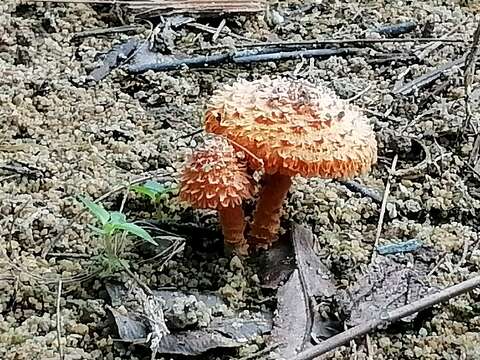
[170, 7]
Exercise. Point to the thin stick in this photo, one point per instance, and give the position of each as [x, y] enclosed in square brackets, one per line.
[59, 321]
[428, 48]
[124, 200]
[362, 190]
[159, 62]
[140, 283]
[389, 317]
[106, 31]
[318, 42]
[360, 94]
[468, 75]
[384, 205]
[213, 31]
[428, 78]
[70, 255]
[219, 30]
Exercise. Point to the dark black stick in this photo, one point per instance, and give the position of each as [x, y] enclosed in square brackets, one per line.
[145, 60]
[363, 190]
[397, 29]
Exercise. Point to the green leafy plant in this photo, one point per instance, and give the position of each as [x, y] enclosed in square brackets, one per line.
[152, 190]
[114, 231]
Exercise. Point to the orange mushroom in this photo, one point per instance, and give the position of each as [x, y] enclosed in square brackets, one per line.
[295, 128]
[215, 178]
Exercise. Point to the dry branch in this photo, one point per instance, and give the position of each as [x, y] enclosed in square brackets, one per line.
[468, 76]
[389, 317]
[146, 60]
[322, 42]
[428, 78]
[167, 7]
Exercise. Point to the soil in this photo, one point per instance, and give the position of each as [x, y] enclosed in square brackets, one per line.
[63, 137]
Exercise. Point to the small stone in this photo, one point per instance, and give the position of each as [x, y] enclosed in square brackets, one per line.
[236, 264]
[422, 332]
[80, 329]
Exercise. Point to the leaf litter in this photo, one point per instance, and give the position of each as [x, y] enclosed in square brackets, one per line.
[197, 322]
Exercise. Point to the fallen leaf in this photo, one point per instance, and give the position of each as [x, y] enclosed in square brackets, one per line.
[387, 285]
[291, 323]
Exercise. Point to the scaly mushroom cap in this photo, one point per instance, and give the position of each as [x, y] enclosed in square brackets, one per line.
[215, 177]
[294, 127]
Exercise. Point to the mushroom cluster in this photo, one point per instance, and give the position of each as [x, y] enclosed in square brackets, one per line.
[294, 128]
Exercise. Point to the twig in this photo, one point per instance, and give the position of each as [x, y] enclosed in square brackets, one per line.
[468, 80]
[175, 6]
[429, 47]
[397, 29]
[106, 31]
[22, 169]
[140, 283]
[290, 55]
[219, 30]
[475, 171]
[174, 249]
[320, 42]
[5, 178]
[389, 317]
[473, 159]
[414, 171]
[59, 321]
[384, 205]
[362, 190]
[359, 94]
[428, 78]
[193, 133]
[124, 200]
[146, 60]
[114, 58]
[70, 255]
[213, 31]
[437, 265]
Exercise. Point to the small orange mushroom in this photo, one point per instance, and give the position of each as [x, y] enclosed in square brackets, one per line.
[295, 128]
[215, 178]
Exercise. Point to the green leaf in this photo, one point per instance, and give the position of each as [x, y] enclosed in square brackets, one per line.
[154, 186]
[136, 230]
[144, 191]
[97, 210]
[109, 229]
[151, 189]
[117, 217]
[96, 229]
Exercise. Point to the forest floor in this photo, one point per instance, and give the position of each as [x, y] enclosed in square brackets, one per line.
[63, 136]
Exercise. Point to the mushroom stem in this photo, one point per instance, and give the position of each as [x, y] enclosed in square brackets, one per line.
[266, 219]
[232, 220]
